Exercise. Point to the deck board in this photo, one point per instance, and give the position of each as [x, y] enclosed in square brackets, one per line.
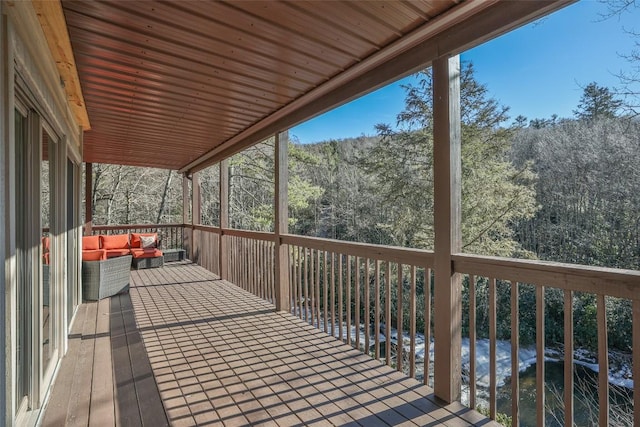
[102, 409]
[185, 348]
[57, 408]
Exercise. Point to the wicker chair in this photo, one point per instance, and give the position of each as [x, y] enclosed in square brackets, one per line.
[102, 279]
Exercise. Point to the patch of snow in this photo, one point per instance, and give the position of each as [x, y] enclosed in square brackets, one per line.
[620, 374]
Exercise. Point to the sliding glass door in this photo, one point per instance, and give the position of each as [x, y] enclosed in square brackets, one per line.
[43, 256]
[49, 314]
[23, 268]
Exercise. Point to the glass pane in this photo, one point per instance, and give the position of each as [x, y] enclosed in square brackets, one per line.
[47, 253]
[71, 242]
[22, 306]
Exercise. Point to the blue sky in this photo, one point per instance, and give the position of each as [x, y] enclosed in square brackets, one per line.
[537, 70]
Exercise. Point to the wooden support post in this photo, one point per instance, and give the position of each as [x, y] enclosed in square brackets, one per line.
[447, 221]
[223, 252]
[88, 198]
[195, 216]
[281, 224]
[186, 207]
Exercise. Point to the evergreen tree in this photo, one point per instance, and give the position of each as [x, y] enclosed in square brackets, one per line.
[494, 193]
[597, 102]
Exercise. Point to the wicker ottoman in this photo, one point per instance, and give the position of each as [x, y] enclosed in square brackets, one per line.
[172, 255]
[139, 263]
[102, 279]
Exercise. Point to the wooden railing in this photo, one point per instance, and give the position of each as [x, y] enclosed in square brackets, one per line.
[249, 257]
[378, 299]
[251, 262]
[171, 236]
[366, 296]
[602, 282]
[205, 247]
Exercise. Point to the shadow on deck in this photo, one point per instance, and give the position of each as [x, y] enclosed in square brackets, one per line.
[217, 355]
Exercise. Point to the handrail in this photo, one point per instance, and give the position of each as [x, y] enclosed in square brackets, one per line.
[597, 280]
[209, 228]
[388, 253]
[172, 235]
[247, 234]
[129, 226]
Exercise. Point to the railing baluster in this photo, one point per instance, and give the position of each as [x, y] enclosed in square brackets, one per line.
[340, 299]
[492, 349]
[515, 361]
[312, 288]
[376, 319]
[300, 281]
[540, 394]
[318, 288]
[256, 271]
[367, 308]
[292, 278]
[427, 323]
[240, 281]
[387, 314]
[412, 324]
[267, 270]
[603, 361]
[252, 266]
[247, 265]
[357, 303]
[332, 283]
[568, 358]
[348, 292]
[295, 280]
[325, 296]
[399, 318]
[272, 271]
[635, 321]
[306, 285]
[261, 258]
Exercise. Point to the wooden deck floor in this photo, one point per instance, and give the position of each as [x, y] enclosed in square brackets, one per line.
[221, 356]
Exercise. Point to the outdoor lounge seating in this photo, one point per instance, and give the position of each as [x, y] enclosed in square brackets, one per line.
[143, 248]
[145, 252]
[108, 259]
[106, 277]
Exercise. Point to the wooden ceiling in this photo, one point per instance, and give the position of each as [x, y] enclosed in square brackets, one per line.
[167, 82]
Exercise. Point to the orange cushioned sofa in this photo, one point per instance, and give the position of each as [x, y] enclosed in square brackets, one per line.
[107, 259]
[138, 245]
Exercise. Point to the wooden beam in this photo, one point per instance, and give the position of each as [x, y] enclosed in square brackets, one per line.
[88, 198]
[470, 24]
[223, 251]
[447, 220]
[54, 26]
[281, 223]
